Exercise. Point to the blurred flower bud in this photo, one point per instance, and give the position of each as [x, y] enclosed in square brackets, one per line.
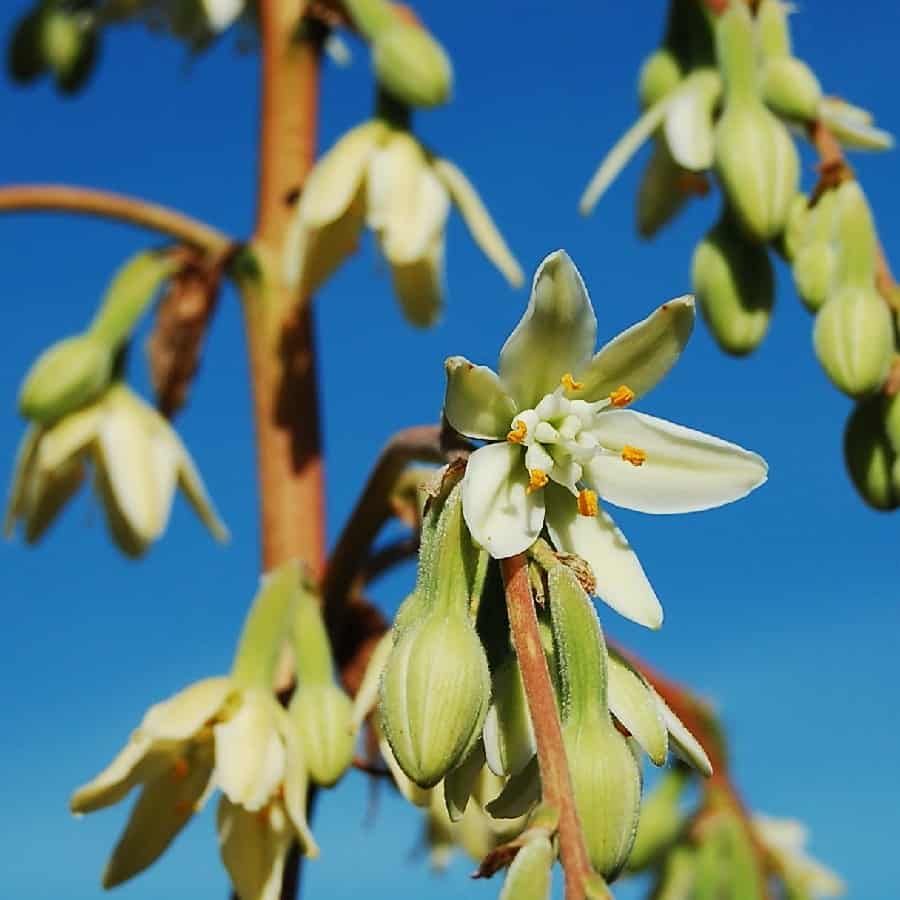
[677, 875]
[813, 272]
[434, 696]
[323, 716]
[411, 65]
[755, 155]
[854, 232]
[24, 55]
[68, 42]
[508, 733]
[726, 859]
[869, 455]
[68, 375]
[660, 75]
[735, 287]
[661, 821]
[791, 89]
[854, 339]
[794, 229]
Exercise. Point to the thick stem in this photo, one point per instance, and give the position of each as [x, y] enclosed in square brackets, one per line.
[555, 780]
[108, 205]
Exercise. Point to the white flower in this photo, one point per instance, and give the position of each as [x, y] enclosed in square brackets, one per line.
[381, 176]
[139, 462]
[560, 437]
[212, 734]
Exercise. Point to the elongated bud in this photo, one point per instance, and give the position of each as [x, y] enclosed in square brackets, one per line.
[854, 340]
[794, 228]
[813, 271]
[870, 456]
[508, 733]
[735, 287]
[854, 231]
[434, 696]
[791, 90]
[69, 46]
[528, 877]
[68, 375]
[772, 30]
[660, 75]
[323, 716]
[661, 821]
[411, 65]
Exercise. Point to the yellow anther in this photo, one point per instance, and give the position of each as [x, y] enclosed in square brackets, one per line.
[537, 478]
[622, 395]
[180, 769]
[634, 455]
[517, 435]
[569, 383]
[587, 503]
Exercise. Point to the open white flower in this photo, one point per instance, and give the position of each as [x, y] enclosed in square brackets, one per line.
[214, 733]
[381, 176]
[139, 462]
[560, 437]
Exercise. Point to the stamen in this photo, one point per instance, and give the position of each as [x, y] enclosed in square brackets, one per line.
[518, 433]
[587, 503]
[569, 383]
[622, 396]
[537, 478]
[180, 769]
[634, 455]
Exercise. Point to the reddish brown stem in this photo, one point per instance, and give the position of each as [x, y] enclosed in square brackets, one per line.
[555, 780]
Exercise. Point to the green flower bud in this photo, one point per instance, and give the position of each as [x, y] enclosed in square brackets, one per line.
[854, 231]
[756, 159]
[661, 822]
[508, 733]
[790, 89]
[528, 877]
[661, 194]
[726, 860]
[870, 457]
[68, 375]
[735, 287]
[660, 75]
[323, 715]
[606, 781]
[69, 46]
[795, 228]
[678, 875]
[772, 31]
[813, 270]
[411, 65]
[434, 696]
[854, 339]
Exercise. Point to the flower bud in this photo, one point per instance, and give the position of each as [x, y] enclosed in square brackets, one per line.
[606, 781]
[869, 455]
[411, 65]
[794, 228]
[69, 48]
[323, 715]
[661, 821]
[854, 339]
[790, 89]
[735, 287]
[813, 271]
[677, 875]
[660, 75]
[64, 377]
[434, 696]
[508, 733]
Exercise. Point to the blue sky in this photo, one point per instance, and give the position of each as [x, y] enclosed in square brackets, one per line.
[783, 608]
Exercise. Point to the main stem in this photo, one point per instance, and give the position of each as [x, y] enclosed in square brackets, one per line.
[555, 781]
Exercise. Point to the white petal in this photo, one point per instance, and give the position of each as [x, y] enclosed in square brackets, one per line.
[642, 355]
[481, 226]
[191, 483]
[689, 120]
[500, 515]
[250, 754]
[619, 577]
[685, 470]
[296, 785]
[185, 713]
[117, 779]
[853, 126]
[419, 285]
[221, 13]
[633, 702]
[476, 403]
[555, 336]
[682, 741]
[67, 437]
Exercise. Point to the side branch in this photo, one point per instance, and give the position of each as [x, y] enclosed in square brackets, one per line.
[109, 205]
[554, 766]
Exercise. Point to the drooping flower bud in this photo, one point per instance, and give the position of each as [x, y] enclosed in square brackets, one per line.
[660, 75]
[756, 159]
[508, 733]
[661, 821]
[791, 239]
[870, 456]
[68, 375]
[791, 89]
[68, 44]
[434, 696]
[411, 65]
[323, 716]
[735, 287]
[815, 257]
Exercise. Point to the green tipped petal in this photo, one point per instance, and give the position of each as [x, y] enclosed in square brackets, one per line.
[476, 403]
[683, 742]
[633, 703]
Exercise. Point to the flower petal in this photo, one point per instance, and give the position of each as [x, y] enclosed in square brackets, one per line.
[689, 120]
[164, 807]
[555, 336]
[23, 472]
[254, 847]
[183, 714]
[684, 471]
[250, 753]
[221, 13]
[853, 126]
[618, 575]
[642, 355]
[46, 493]
[296, 784]
[501, 516]
[685, 745]
[633, 703]
[133, 765]
[67, 437]
[482, 228]
[419, 285]
[191, 483]
[476, 403]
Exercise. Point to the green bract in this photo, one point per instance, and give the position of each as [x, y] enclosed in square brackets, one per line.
[559, 437]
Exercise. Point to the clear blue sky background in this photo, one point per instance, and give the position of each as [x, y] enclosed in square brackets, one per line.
[783, 608]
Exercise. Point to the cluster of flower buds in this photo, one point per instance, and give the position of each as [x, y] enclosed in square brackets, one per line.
[231, 733]
[721, 95]
[83, 415]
